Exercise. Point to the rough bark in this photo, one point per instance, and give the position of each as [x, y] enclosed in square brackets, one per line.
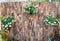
[29, 27]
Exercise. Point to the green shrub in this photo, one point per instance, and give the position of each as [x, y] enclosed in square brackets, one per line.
[49, 39]
[11, 40]
[30, 8]
[7, 21]
[50, 20]
[55, 0]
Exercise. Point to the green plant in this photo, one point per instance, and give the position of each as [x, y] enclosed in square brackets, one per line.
[1, 17]
[2, 35]
[30, 8]
[11, 40]
[1, 39]
[50, 20]
[49, 39]
[55, 0]
[6, 22]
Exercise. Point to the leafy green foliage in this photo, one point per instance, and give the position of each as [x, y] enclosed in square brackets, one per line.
[55, 0]
[1, 17]
[11, 40]
[50, 20]
[7, 21]
[30, 8]
[49, 39]
[2, 35]
[1, 39]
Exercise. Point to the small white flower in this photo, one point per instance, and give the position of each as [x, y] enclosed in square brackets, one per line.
[6, 25]
[49, 22]
[29, 8]
[10, 26]
[53, 16]
[46, 20]
[7, 28]
[5, 20]
[9, 23]
[54, 22]
[36, 6]
[29, 3]
[12, 20]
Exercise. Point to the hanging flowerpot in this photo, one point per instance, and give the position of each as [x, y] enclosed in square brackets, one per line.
[7, 22]
[50, 20]
[30, 8]
[49, 39]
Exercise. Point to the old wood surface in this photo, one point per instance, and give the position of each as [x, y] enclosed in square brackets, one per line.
[28, 27]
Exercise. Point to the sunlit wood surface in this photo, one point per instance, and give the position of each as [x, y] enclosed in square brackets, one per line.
[28, 27]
